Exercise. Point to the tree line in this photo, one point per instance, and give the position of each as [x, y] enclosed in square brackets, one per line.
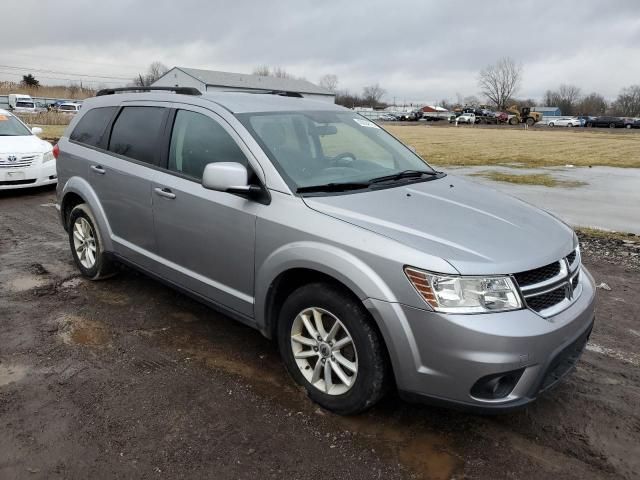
[499, 85]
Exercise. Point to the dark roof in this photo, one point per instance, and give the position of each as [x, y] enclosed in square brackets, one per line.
[252, 82]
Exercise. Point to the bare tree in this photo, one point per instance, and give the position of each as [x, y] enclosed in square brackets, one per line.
[501, 81]
[567, 98]
[592, 104]
[262, 70]
[154, 72]
[330, 82]
[267, 71]
[373, 94]
[628, 102]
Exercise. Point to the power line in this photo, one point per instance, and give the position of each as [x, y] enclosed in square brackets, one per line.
[41, 70]
[65, 79]
[66, 59]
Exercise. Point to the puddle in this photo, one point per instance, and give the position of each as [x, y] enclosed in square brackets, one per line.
[11, 373]
[80, 331]
[423, 452]
[25, 283]
[111, 298]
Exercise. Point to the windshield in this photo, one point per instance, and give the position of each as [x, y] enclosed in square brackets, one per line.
[318, 148]
[10, 126]
[25, 104]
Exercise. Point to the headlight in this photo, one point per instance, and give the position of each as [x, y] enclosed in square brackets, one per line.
[451, 294]
[47, 157]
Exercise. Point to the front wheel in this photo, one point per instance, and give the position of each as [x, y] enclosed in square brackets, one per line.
[612, 125]
[330, 346]
[86, 244]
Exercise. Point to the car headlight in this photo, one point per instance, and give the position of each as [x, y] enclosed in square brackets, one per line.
[47, 157]
[460, 294]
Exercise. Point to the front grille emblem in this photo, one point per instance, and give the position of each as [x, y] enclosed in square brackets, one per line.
[12, 158]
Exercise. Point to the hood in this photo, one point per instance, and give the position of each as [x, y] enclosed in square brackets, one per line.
[23, 144]
[475, 228]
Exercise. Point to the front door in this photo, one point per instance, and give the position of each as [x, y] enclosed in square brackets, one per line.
[206, 239]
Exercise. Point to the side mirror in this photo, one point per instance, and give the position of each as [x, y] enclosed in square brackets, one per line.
[229, 177]
[36, 130]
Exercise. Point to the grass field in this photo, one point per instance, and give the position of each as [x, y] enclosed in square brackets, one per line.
[51, 132]
[543, 179]
[468, 146]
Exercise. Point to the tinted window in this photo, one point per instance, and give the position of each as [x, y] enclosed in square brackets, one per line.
[136, 131]
[198, 140]
[91, 127]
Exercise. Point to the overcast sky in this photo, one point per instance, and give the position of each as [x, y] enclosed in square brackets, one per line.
[416, 50]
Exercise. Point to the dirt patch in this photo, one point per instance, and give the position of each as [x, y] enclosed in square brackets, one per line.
[11, 373]
[24, 283]
[76, 330]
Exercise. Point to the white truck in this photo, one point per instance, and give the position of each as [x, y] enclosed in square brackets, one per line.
[20, 103]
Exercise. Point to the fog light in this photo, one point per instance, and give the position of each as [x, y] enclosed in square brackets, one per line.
[496, 386]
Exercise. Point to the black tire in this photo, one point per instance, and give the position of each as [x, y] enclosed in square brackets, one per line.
[530, 121]
[612, 125]
[372, 377]
[551, 124]
[103, 267]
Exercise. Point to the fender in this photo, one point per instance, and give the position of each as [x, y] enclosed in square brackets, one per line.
[81, 187]
[335, 262]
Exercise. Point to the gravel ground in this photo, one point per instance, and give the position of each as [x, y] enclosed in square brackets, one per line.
[126, 378]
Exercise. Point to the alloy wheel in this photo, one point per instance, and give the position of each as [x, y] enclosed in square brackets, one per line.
[84, 242]
[324, 351]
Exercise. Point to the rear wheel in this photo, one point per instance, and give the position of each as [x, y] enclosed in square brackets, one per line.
[530, 121]
[551, 124]
[86, 244]
[612, 125]
[628, 125]
[330, 347]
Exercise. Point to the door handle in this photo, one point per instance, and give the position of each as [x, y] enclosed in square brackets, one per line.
[98, 169]
[165, 192]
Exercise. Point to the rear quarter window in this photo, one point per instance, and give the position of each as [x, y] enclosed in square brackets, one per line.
[91, 128]
[136, 133]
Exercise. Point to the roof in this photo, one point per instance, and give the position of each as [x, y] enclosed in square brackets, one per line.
[258, 82]
[240, 102]
[235, 102]
[545, 109]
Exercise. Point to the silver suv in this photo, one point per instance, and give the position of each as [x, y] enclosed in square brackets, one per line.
[321, 230]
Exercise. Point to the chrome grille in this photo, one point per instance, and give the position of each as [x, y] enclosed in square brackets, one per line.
[17, 161]
[550, 289]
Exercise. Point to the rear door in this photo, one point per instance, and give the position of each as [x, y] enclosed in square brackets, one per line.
[206, 239]
[122, 178]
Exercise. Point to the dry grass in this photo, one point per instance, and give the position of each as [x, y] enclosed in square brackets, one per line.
[464, 146]
[606, 234]
[52, 132]
[70, 92]
[45, 118]
[543, 179]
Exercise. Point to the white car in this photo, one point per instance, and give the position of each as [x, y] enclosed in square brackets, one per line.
[467, 118]
[564, 122]
[25, 159]
[72, 108]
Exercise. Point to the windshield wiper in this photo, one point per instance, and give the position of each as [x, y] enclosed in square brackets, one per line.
[403, 174]
[333, 187]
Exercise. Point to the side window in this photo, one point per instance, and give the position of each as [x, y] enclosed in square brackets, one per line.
[136, 132]
[91, 127]
[197, 140]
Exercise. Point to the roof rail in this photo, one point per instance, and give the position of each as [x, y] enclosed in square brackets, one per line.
[180, 90]
[283, 93]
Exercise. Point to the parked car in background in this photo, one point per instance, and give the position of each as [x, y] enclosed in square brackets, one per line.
[387, 117]
[25, 159]
[69, 108]
[20, 103]
[606, 121]
[312, 224]
[635, 123]
[468, 117]
[564, 122]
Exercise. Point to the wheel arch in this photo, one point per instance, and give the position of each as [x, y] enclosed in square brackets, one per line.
[76, 191]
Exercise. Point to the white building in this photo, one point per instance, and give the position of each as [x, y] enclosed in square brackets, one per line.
[211, 81]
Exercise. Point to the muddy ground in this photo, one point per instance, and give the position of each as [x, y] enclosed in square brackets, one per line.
[126, 378]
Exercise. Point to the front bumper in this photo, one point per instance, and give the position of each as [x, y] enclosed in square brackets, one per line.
[32, 176]
[440, 357]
